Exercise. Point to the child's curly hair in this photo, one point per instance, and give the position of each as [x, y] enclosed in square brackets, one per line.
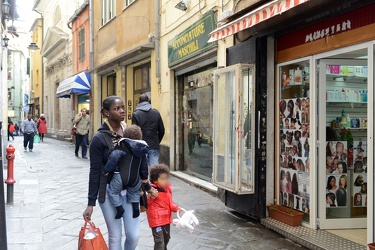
[156, 170]
[133, 132]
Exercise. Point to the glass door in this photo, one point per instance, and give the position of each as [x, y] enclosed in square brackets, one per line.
[343, 147]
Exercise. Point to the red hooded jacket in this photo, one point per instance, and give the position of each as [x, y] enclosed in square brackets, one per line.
[159, 212]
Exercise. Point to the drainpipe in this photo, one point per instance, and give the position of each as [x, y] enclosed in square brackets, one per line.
[91, 17]
[157, 40]
[41, 16]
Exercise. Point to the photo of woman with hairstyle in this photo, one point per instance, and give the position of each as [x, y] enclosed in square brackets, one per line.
[359, 181]
[282, 181]
[364, 188]
[290, 109]
[329, 149]
[358, 200]
[300, 165]
[331, 184]
[330, 200]
[294, 184]
[341, 194]
[298, 105]
[341, 168]
[288, 185]
[286, 123]
[340, 149]
[283, 108]
[306, 147]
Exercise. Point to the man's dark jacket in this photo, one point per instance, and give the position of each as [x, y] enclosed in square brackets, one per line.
[150, 121]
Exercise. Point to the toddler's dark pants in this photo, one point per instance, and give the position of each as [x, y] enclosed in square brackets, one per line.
[161, 234]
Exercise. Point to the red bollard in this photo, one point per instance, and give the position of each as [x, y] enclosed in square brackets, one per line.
[10, 179]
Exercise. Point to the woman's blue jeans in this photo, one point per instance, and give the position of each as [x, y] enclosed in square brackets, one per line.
[131, 226]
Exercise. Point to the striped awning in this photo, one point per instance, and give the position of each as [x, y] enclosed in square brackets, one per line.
[254, 17]
[77, 84]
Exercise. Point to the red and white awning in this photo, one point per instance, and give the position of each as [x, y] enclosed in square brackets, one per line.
[254, 17]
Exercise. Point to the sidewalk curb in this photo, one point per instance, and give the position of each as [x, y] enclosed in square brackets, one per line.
[196, 182]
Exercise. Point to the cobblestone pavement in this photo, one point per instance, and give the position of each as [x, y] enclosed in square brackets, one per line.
[50, 196]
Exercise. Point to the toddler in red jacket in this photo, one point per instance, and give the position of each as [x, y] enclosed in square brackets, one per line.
[159, 212]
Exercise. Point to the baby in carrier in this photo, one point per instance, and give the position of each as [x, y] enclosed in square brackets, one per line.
[128, 163]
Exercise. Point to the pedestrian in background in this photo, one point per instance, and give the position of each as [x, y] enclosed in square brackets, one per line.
[112, 129]
[11, 130]
[17, 129]
[29, 131]
[152, 126]
[42, 126]
[82, 123]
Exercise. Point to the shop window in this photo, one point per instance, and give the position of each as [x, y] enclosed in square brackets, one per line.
[294, 136]
[108, 10]
[81, 44]
[234, 128]
[197, 121]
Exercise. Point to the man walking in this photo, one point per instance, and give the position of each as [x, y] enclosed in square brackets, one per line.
[152, 126]
[29, 130]
[82, 123]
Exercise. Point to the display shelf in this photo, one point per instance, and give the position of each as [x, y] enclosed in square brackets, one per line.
[339, 102]
[354, 129]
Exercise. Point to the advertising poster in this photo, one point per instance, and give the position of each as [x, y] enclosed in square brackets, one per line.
[294, 154]
[337, 190]
[336, 157]
[360, 190]
[360, 156]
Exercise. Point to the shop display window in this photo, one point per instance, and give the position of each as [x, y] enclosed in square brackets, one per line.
[294, 136]
[234, 128]
[345, 115]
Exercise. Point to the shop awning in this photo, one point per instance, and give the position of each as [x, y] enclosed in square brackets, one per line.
[254, 17]
[77, 84]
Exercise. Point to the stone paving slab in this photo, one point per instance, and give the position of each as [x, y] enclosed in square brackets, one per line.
[50, 196]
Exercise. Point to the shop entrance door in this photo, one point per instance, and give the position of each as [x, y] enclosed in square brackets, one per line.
[342, 127]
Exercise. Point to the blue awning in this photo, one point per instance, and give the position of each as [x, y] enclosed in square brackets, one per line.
[77, 84]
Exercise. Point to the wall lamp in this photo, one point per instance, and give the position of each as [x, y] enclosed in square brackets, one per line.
[5, 8]
[181, 6]
[33, 46]
[6, 41]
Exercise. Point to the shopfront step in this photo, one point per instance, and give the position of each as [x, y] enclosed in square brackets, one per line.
[310, 238]
[194, 181]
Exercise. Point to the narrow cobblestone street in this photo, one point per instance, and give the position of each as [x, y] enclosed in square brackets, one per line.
[50, 196]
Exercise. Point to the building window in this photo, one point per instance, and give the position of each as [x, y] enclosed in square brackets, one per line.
[142, 82]
[108, 10]
[128, 2]
[81, 44]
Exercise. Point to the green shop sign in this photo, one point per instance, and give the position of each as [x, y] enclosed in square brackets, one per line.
[192, 41]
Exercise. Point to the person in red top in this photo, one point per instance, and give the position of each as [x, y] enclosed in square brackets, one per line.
[42, 126]
[159, 212]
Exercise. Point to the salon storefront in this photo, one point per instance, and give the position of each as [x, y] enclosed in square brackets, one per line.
[193, 61]
[324, 120]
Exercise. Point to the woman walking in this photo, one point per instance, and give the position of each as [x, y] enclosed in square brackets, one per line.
[42, 126]
[112, 129]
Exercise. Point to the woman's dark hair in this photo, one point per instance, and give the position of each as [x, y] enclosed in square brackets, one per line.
[133, 132]
[294, 184]
[357, 180]
[332, 197]
[329, 187]
[156, 170]
[291, 106]
[299, 103]
[364, 188]
[282, 105]
[107, 102]
[344, 167]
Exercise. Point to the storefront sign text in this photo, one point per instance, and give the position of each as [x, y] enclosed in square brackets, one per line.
[329, 31]
[192, 41]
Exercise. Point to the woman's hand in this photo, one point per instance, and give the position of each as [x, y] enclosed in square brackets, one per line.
[88, 212]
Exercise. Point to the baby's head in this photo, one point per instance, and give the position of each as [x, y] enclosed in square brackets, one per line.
[133, 132]
[159, 174]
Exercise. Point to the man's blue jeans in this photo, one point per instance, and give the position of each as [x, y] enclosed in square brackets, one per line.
[28, 139]
[131, 225]
[81, 139]
[153, 157]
